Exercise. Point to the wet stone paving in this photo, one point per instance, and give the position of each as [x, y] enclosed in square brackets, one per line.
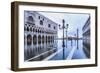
[70, 51]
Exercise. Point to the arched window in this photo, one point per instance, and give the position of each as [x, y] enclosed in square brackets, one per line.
[34, 39]
[30, 20]
[54, 27]
[49, 25]
[39, 39]
[41, 22]
[29, 39]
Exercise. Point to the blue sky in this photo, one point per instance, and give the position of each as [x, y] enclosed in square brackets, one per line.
[75, 21]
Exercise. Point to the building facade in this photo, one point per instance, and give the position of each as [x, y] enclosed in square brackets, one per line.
[39, 36]
[86, 37]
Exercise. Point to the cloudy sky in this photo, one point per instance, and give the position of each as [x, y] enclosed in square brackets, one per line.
[75, 21]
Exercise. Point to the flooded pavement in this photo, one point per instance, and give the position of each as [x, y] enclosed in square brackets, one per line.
[70, 51]
[78, 53]
[62, 55]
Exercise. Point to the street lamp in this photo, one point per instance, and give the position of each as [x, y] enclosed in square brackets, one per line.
[77, 37]
[63, 27]
[66, 33]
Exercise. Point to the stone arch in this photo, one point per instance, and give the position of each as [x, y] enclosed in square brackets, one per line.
[51, 39]
[29, 39]
[38, 31]
[39, 39]
[27, 28]
[34, 39]
[43, 39]
[31, 29]
[48, 39]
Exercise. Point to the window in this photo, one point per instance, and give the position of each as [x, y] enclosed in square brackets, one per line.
[43, 19]
[41, 22]
[49, 25]
[39, 17]
[30, 20]
[54, 27]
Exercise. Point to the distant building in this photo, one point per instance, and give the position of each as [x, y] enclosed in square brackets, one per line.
[86, 37]
[39, 35]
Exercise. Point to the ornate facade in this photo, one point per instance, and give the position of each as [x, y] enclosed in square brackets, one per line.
[39, 36]
[86, 38]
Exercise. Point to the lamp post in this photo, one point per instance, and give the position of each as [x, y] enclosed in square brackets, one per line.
[66, 34]
[63, 27]
[77, 37]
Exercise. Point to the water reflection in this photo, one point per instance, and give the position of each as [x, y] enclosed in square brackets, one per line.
[40, 51]
[66, 53]
[55, 51]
